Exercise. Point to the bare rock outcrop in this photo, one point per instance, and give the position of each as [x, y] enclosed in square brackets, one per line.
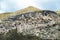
[44, 24]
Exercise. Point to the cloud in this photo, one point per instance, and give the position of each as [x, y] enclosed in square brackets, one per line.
[13, 5]
[3, 5]
[23, 3]
[49, 4]
[19, 4]
[1, 11]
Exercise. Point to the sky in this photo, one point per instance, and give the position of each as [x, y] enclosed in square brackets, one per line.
[14, 5]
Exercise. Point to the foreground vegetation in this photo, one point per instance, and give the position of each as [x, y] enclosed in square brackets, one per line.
[13, 35]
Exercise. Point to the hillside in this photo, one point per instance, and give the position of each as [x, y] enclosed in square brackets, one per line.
[30, 8]
[43, 24]
[24, 10]
[58, 12]
[5, 15]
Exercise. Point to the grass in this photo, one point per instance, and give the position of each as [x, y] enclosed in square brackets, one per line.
[5, 15]
[28, 9]
[58, 12]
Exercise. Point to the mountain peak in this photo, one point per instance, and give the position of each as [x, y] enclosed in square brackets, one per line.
[28, 9]
[31, 7]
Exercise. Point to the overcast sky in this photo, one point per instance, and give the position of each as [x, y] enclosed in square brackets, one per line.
[13, 5]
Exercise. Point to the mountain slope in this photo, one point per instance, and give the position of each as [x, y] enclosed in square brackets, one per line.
[22, 11]
[43, 24]
[58, 12]
[5, 15]
[28, 9]
[25, 10]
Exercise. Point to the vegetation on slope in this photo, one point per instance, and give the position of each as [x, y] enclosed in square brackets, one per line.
[58, 12]
[5, 15]
[28, 9]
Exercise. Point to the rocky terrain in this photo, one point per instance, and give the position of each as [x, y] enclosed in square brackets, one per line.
[44, 24]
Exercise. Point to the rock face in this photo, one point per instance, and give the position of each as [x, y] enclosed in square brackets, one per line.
[44, 24]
